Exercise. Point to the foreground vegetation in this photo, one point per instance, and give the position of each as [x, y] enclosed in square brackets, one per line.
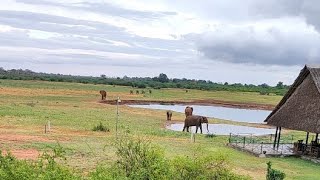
[73, 111]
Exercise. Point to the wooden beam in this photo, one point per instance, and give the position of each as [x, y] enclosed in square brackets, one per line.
[307, 139]
[275, 138]
[279, 135]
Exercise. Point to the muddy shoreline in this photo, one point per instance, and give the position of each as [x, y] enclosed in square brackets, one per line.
[196, 102]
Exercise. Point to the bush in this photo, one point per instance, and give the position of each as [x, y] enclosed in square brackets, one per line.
[101, 127]
[273, 174]
[203, 167]
[210, 135]
[140, 160]
[45, 168]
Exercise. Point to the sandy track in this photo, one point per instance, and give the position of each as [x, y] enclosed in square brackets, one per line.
[208, 102]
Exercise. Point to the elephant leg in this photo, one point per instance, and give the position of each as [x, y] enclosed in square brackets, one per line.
[184, 127]
[196, 129]
[188, 128]
[201, 128]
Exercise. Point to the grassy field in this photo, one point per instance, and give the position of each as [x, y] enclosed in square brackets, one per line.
[73, 110]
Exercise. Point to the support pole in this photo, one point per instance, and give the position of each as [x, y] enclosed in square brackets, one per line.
[275, 138]
[117, 117]
[279, 138]
[317, 137]
[307, 139]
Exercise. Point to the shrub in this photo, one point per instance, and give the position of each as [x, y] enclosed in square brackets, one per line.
[100, 127]
[138, 159]
[45, 168]
[210, 135]
[273, 174]
[203, 167]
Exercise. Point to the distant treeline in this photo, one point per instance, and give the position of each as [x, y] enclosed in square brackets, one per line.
[161, 81]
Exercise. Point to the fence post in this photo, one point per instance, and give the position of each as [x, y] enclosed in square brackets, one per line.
[244, 141]
[45, 129]
[193, 137]
[229, 138]
[49, 126]
[261, 147]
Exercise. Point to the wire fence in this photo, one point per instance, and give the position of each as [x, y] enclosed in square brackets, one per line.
[262, 144]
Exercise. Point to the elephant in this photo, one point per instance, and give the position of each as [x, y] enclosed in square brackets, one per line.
[195, 121]
[143, 92]
[188, 111]
[103, 94]
[150, 92]
[169, 115]
[137, 91]
[131, 91]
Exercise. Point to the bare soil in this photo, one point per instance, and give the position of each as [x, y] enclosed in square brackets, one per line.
[31, 154]
[207, 102]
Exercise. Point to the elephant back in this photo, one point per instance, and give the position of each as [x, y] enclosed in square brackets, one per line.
[193, 120]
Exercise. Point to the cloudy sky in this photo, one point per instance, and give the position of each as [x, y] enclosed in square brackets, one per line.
[247, 41]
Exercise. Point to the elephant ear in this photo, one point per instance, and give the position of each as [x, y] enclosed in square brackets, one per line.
[204, 119]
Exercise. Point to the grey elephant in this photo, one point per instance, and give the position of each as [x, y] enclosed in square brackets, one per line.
[188, 111]
[195, 121]
[169, 115]
[103, 94]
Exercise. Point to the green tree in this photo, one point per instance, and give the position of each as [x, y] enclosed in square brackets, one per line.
[163, 78]
[280, 85]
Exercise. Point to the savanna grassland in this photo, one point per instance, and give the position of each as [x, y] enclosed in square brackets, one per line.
[73, 110]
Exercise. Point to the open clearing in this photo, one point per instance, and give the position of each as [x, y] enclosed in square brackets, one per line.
[74, 109]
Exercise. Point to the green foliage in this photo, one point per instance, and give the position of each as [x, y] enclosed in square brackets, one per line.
[100, 127]
[210, 135]
[203, 167]
[161, 81]
[45, 168]
[273, 174]
[138, 159]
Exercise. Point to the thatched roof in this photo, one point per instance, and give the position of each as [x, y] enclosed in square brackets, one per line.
[300, 107]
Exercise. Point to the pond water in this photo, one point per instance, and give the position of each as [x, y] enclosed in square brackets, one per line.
[225, 129]
[233, 114]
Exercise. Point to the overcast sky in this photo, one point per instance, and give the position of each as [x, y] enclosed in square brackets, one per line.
[247, 41]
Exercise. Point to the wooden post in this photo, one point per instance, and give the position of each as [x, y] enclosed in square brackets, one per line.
[307, 138]
[49, 126]
[45, 129]
[275, 138]
[279, 138]
[193, 137]
[117, 117]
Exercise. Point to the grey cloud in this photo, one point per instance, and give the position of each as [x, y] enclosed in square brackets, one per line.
[251, 10]
[248, 45]
[310, 9]
[105, 8]
[80, 34]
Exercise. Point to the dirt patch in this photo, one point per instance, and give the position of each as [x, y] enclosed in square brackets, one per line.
[208, 102]
[31, 154]
[23, 138]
